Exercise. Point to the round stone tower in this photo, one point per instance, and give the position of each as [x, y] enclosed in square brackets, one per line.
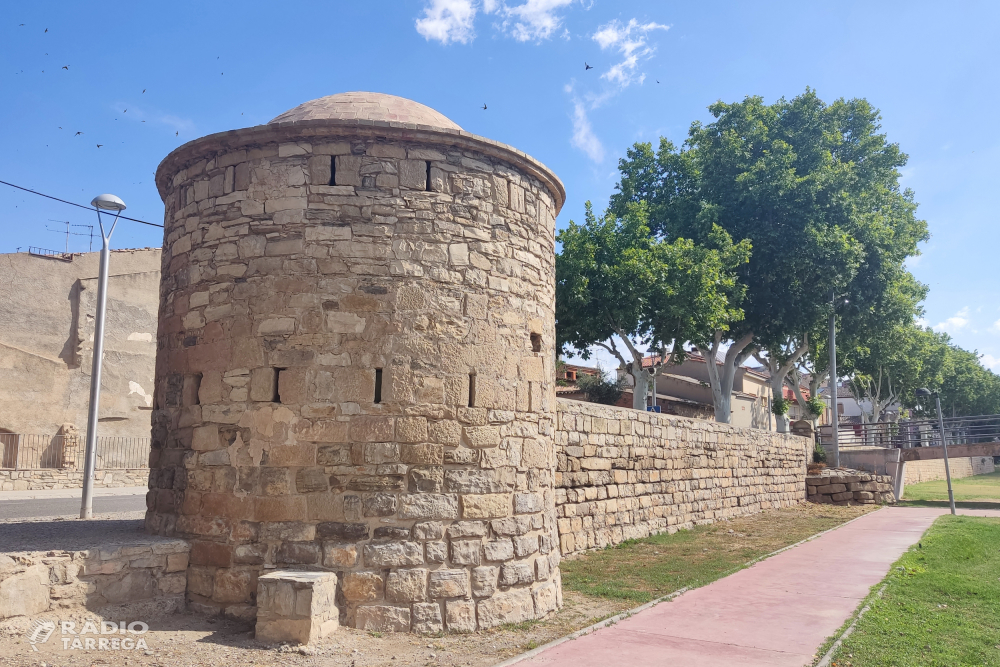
[355, 365]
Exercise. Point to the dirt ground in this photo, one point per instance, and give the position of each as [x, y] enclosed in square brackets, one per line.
[186, 640]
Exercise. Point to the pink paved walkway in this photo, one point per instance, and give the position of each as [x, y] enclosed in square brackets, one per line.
[777, 612]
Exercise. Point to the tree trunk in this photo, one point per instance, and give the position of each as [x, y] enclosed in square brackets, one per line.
[776, 384]
[641, 380]
[722, 384]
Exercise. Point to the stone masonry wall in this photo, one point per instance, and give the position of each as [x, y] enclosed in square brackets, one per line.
[358, 376]
[623, 474]
[147, 570]
[928, 470]
[45, 478]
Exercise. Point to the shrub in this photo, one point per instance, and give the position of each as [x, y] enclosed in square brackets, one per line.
[599, 389]
[779, 406]
[819, 454]
[815, 406]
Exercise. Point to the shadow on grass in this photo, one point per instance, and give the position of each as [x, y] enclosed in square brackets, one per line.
[959, 504]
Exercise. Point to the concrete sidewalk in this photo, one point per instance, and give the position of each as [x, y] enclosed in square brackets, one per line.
[72, 493]
[776, 613]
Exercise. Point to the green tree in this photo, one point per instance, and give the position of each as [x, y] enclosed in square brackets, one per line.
[813, 187]
[616, 282]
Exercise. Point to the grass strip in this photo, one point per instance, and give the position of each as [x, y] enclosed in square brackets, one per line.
[941, 604]
[644, 569]
[983, 489]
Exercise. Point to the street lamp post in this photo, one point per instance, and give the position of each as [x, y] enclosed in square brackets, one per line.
[106, 203]
[944, 442]
[834, 405]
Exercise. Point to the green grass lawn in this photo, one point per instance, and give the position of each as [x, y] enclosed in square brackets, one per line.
[642, 570]
[983, 490]
[941, 604]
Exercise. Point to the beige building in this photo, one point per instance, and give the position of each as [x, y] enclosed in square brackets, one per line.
[47, 310]
[685, 390]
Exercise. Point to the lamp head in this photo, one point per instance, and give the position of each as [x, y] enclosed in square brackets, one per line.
[108, 203]
[923, 393]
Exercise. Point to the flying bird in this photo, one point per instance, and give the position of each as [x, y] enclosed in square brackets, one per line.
[143, 91]
[484, 106]
[78, 134]
[99, 145]
[126, 111]
[60, 128]
[65, 66]
[46, 30]
[586, 66]
[657, 81]
[20, 25]
[177, 134]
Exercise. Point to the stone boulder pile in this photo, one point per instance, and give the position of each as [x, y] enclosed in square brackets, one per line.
[844, 486]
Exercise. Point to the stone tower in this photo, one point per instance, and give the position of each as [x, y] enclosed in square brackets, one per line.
[355, 365]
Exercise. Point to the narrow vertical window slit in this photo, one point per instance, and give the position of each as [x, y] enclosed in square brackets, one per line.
[427, 183]
[472, 390]
[378, 385]
[333, 170]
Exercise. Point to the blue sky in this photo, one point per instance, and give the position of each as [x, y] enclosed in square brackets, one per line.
[210, 66]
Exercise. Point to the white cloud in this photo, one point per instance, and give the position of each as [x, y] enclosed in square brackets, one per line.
[583, 135]
[532, 20]
[955, 323]
[449, 20]
[453, 20]
[629, 40]
[991, 362]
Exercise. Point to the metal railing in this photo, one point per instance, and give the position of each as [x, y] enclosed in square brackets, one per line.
[907, 433]
[21, 451]
[51, 254]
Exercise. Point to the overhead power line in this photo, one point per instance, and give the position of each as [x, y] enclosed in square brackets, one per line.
[89, 208]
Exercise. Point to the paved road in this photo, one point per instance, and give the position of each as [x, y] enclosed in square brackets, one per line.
[774, 614]
[19, 509]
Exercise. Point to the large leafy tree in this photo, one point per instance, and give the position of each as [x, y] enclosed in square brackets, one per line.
[813, 187]
[619, 286]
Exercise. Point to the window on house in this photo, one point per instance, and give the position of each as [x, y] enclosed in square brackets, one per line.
[536, 342]
[333, 170]
[427, 182]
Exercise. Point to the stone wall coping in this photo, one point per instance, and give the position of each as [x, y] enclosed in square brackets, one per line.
[571, 406]
[220, 142]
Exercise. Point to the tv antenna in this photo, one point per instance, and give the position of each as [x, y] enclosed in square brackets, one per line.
[68, 233]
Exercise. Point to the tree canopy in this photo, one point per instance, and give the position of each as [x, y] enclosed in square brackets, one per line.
[813, 187]
[614, 278]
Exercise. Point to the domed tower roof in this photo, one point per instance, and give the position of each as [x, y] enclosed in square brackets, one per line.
[364, 106]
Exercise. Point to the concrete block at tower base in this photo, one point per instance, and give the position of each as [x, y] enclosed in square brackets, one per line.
[296, 606]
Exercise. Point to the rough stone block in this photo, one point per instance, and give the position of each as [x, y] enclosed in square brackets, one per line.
[407, 585]
[448, 584]
[460, 615]
[381, 618]
[486, 506]
[398, 554]
[427, 618]
[484, 581]
[513, 606]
